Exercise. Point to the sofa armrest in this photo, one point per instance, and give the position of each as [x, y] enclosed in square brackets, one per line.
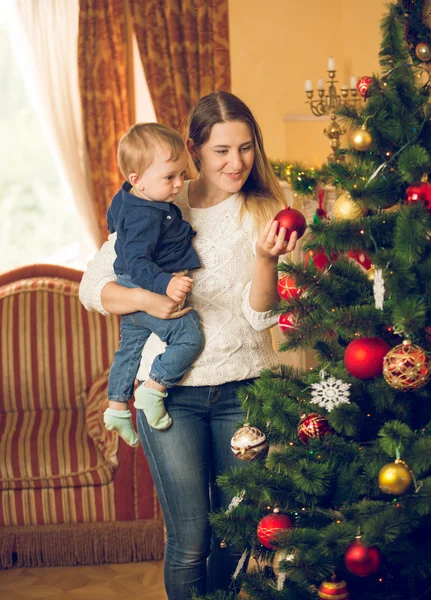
[106, 441]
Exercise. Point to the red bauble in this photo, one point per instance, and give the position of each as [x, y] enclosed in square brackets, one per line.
[269, 526]
[363, 85]
[319, 258]
[362, 560]
[361, 258]
[312, 426]
[292, 220]
[364, 357]
[419, 192]
[287, 289]
[287, 322]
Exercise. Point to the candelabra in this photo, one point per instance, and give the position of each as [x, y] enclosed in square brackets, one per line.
[328, 102]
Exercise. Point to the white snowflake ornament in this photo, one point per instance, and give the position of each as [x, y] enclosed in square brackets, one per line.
[330, 393]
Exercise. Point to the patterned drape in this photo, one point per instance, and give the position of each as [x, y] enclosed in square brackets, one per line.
[102, 62]
[184, 47]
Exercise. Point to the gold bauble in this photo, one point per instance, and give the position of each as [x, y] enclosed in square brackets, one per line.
[407, 367]
[371, 273]
[394, 208]
[346, 208]
[423, 51]
[395, 478]
[361, 139]
[249, 443]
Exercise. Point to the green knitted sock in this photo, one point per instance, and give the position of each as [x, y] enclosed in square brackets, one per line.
[152, 403]
[121, 422]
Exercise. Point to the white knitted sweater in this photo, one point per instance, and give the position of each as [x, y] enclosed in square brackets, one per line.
[238, 342]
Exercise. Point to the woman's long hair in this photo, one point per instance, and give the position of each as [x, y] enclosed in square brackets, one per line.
[262, 195]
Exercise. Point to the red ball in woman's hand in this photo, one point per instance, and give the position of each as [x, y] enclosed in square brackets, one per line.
[292, 220]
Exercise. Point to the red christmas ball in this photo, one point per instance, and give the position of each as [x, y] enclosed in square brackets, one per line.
[287, 322]
[363, 84]
[287, 289]
[269, 526]
[419, 192]
[361, 258]
[364, 357]
[292, 220]
[361, 560]
[319, 258]
[312, 426]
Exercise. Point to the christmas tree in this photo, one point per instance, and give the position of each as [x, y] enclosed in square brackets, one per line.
[342, 502]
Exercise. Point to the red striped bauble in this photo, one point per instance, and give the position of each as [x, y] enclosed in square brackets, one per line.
[333, 590]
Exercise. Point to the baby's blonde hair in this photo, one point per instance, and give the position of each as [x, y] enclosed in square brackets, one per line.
[137, 147]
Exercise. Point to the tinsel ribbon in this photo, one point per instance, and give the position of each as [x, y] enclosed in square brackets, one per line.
[281, 578]
[379, 289]
[236, 500]
[240, 564]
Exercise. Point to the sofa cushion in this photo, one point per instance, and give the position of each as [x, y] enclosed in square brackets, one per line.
[49, 449]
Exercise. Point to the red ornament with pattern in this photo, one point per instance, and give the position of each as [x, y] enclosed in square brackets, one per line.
[287, 289]
[363, 85]
[361, 258]
[287, 322]
[269, 526]
[313, 426]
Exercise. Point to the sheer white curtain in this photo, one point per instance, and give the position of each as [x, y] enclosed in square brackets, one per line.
[44, 36]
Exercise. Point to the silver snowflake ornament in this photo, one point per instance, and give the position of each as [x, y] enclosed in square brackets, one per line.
[330, 393]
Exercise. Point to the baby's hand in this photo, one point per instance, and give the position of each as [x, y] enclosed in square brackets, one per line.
[178, 288]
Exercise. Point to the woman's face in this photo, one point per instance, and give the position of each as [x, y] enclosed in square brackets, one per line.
[227, 158]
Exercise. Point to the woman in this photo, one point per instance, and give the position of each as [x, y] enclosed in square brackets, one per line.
[231, 205]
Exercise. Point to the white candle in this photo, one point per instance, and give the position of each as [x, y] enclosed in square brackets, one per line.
[352, 82]
[344, 86]
[320, 84]
[331, 64]
[308, 85]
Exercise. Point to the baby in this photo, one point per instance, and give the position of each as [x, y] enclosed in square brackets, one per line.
[154, 251]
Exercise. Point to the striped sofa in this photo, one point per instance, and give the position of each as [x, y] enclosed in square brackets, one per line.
[70, 491]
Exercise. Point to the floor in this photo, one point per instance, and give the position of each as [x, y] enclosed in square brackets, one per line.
[134, 581]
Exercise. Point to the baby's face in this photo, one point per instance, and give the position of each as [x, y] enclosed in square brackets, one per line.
[164, 178]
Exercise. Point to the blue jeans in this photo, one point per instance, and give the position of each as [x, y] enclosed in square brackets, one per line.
[184, 343]
[185, 461]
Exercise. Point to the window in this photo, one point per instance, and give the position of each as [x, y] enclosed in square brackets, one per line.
[39, 222]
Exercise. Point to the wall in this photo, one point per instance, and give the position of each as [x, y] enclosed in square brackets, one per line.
[276, 44]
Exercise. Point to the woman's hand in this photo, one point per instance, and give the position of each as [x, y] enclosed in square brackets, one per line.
[119, 300]
[271, 245]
